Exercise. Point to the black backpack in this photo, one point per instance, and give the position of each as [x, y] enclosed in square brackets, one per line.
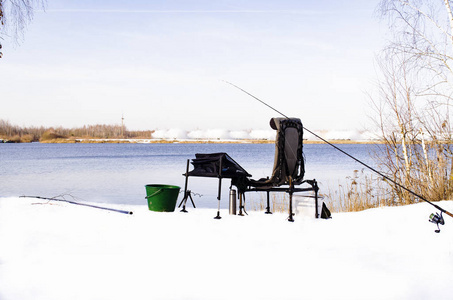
[325, 212]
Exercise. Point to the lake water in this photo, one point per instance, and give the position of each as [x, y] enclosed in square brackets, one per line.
[117, 173]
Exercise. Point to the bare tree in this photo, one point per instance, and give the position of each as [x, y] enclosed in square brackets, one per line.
[413, 105]
[423, 31]
[15, 15]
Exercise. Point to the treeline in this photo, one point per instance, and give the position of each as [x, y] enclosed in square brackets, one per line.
[18, 134]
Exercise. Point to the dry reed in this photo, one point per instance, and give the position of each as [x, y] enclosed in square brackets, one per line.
[359, 192]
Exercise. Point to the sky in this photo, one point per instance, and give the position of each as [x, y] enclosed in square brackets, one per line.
[163, 64]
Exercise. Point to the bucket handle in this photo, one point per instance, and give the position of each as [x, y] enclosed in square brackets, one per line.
[155, 193]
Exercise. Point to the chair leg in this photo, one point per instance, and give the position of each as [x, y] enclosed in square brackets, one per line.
[316, 205]
[268, 208]
[290, 218]
[187, 195]
[184, 201]
[218, 197]
[241, 204]
[186, 191]
[316, 188]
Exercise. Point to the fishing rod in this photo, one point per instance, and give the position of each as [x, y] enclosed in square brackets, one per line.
[437, 219]
[82, 204]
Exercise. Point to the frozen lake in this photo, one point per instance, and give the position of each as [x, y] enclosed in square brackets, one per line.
[117, 173]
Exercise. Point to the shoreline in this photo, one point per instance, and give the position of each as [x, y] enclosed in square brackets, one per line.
[191, 141]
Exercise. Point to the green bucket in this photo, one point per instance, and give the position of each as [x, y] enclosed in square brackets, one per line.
[162, 197]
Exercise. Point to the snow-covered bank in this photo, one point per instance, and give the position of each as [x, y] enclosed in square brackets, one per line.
[256, 134]
[63, 251]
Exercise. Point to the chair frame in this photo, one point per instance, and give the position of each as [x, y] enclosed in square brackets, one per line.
[281, 180]
[291, 189]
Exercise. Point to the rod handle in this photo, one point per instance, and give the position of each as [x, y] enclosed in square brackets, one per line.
[448, 213]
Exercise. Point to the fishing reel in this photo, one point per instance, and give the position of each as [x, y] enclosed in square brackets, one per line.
[437, 219]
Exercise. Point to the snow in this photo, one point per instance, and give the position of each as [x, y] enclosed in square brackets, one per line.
[59, 250]
[173, 133]
[262, 134]
[257, 134]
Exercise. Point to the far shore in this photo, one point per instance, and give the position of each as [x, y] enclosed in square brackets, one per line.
[193, 141]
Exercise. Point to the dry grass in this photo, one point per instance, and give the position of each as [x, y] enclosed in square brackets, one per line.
[279, 202]
[50, 135]
[359, 192]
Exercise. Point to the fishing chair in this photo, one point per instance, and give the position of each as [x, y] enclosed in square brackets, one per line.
[289, 168]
